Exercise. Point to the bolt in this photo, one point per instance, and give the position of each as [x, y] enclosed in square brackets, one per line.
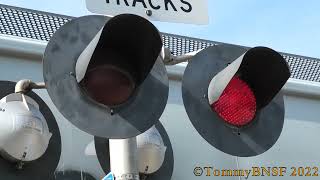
[149, 12]
[19, 165]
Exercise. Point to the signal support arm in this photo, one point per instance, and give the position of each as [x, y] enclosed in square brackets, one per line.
[170, 59]
[26, 85]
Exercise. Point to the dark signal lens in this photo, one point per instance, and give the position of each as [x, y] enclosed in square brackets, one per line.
[237, 104]
[109, 85]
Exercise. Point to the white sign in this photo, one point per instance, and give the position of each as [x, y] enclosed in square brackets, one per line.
[178, 11]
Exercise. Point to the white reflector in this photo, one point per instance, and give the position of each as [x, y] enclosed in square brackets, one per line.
[24, 133]
[151, 151]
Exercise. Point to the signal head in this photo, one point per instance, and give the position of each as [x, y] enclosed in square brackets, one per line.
[37, 168]
[24, 134]
[106, 75]
[232, 97]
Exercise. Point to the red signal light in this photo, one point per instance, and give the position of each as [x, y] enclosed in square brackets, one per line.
[252, 99]
[237, 104]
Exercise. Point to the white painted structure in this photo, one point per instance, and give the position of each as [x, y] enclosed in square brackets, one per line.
[297, 146]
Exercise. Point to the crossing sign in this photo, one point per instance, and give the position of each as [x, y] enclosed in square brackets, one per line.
[177, 11]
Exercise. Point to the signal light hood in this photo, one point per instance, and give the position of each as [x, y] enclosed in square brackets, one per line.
[126, 41]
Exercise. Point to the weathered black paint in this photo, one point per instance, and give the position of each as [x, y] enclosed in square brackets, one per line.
[251, 140]
[147, 102]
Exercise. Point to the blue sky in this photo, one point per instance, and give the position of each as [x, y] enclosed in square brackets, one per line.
[291, 26]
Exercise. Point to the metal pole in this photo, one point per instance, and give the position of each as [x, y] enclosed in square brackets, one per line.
[124, 158]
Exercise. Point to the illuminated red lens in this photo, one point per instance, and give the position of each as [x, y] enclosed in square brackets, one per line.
[237, 104]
